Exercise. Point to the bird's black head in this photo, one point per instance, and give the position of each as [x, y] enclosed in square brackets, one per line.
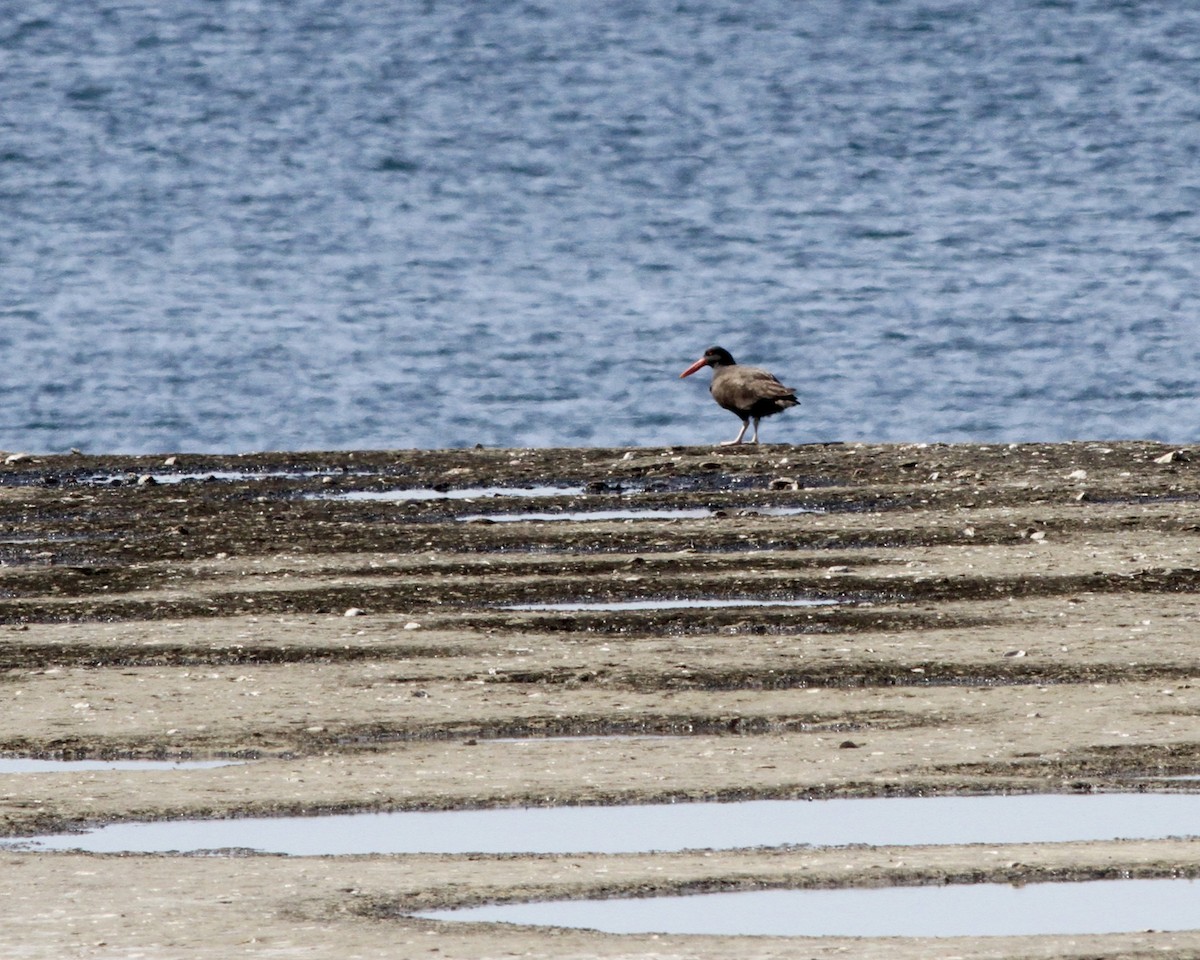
[713, 357]
[718, 357]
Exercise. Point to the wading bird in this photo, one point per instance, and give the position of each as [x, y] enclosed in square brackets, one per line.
[750, 392]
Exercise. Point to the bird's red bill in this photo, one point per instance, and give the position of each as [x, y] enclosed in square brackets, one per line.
[699, 364]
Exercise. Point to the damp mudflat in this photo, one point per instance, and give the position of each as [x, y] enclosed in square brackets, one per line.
[133, 594]
[960, 910]
[900, 821]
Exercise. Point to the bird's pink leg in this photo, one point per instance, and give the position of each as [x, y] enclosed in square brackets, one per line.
[738, 438]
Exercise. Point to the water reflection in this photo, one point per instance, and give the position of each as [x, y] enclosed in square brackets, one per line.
[627, 829]
[977, 910]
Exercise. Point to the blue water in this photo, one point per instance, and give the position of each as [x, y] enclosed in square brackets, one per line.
[264, 224]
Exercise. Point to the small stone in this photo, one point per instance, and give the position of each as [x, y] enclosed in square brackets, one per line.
[412, 625]
[1015, 653]
[18, 458]
[848, 745]
[354, 612]
[1172, 457]
[170, 461]
[1038, 535]
[145, 480]
[784, 483]
[1077, 475]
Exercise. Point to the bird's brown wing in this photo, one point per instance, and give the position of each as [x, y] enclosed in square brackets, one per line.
[741, 388]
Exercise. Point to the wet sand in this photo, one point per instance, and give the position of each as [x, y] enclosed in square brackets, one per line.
[1007, 619]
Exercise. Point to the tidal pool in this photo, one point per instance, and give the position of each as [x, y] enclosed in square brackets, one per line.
[1039, 818]
[958, 910]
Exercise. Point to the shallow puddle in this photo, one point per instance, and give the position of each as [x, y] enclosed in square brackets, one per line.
[635, 513]
[32, 540]
[24, 765]
[227, 476]
[960, 910]
[466, 493]
[593, 516]
[664, 827]
[701, 603]
[586, 738]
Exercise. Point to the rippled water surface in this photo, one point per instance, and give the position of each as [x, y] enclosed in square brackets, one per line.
[265, 224]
